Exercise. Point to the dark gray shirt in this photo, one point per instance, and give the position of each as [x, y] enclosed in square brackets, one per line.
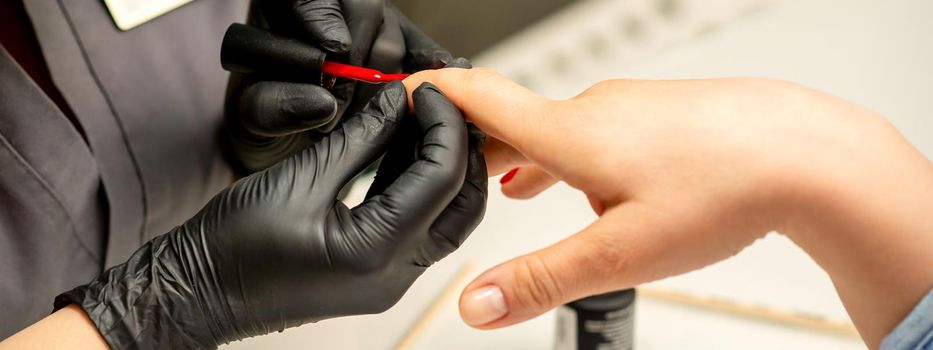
[150, 103]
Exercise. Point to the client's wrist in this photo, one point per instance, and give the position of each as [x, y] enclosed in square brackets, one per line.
[819, 157]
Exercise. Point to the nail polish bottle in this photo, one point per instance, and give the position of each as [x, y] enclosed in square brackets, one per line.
[603, 322]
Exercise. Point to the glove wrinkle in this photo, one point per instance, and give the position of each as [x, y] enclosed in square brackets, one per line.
[128, 303]
[324, 20]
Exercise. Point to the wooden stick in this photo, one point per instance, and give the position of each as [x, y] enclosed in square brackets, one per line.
[757, 311]
[450, 291]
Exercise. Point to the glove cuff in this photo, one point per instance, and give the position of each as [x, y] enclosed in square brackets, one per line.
[147, 302]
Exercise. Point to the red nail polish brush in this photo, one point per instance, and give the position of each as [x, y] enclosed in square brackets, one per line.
[251, 50]
[359, 73]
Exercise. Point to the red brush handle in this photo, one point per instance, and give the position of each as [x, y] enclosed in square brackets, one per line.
[359, 73]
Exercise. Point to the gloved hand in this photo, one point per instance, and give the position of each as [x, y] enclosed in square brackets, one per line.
[272, 117]
[277, 250]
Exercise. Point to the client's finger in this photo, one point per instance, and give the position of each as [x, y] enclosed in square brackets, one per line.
[501, 157]
[526, 182]
[501, 108]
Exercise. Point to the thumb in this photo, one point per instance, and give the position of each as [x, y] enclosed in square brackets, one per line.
[590, 262]
[273, 108]
[359, 141]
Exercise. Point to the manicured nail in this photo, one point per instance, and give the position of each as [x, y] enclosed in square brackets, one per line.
[483, 305]
[508, 176]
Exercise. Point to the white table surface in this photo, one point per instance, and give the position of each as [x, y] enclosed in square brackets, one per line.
[876, 53]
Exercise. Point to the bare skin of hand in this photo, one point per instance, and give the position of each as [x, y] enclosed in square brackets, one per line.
[687, 173]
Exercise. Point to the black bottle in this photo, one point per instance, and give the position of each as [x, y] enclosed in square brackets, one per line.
[603, 322]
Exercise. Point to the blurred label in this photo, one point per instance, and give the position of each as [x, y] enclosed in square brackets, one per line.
[579, 329]
[566, 337]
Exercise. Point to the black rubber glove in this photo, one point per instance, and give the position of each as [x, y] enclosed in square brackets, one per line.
[272, 117]
[277, 250]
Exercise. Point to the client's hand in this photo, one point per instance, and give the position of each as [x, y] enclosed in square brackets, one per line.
[687, 173]
[277, 249]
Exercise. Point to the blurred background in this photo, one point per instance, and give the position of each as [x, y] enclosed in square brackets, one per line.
[485, 22]
[876, 53]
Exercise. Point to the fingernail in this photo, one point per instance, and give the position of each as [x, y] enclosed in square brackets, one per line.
[508, 176]
[483, 305]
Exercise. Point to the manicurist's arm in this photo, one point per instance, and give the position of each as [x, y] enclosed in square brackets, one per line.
[68, 328]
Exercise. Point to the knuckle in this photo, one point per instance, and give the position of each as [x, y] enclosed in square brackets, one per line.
[604, 87]
[614, 258]
[443, 241]
[450, 177]
[422, 75]
[480, 75]
[539, 290]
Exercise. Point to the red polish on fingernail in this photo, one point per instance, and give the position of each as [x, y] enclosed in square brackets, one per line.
[508, 176]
